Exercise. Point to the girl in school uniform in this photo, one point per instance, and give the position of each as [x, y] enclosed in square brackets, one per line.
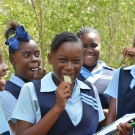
[53, 106]
[4, 127]
[93, 70]
[24, 55]
[122, 90]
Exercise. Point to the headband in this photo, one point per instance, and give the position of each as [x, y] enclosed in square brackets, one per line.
[20, 35]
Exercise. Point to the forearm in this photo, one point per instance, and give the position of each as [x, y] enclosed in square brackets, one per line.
[12, 125]
[111, 117]
[43, 126]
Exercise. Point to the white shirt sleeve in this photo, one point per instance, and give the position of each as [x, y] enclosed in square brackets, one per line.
[8, 102]
[3, 123]
[100, 110]
[112, 89]
[27, 107]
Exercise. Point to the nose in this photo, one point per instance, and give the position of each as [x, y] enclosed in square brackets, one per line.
[34, 58]
[89, 49]
[69, 66]
[5, 67]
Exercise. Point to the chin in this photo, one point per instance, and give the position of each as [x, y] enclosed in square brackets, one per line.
[1, 88]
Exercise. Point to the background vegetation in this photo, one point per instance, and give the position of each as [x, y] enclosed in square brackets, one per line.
[114, 19]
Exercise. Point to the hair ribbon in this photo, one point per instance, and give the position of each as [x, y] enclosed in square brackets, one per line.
[20, 35]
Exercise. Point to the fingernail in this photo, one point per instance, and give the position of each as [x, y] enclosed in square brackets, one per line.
[39, 67]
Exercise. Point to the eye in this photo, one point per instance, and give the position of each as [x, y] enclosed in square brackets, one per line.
[77, 61]
[62, 60]
[94, 45]
[84, 45]
[37, 54]
[26, 55]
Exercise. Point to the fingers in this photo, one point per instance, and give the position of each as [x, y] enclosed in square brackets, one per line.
[42, 70]
[39, 73]
[128, 52]
[124, 129]
[63, 93]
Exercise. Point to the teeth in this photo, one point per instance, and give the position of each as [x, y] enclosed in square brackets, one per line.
[33, 69]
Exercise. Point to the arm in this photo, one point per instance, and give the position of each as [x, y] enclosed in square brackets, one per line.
[123, 129]
[8, 106]
[12, 125]
[44, 125]
[111, 117]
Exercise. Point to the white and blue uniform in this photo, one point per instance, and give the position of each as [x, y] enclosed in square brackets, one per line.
[112, 89]
[4, 127]
[29, 109]
[122, 88]
[99, 77]
[8, 105]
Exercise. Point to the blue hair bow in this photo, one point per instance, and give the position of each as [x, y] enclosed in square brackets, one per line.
[20, 35]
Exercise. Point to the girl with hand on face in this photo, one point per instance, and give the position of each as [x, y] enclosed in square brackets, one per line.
[57, 107]
[54, 106]
[24, 56]
[93, 70]
[4, 127]
[122, 89]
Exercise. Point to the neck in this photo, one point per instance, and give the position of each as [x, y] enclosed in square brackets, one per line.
[91, 68]
[25, 80]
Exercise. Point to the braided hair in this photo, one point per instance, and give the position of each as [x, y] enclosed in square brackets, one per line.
[61, 38]
[86, 30]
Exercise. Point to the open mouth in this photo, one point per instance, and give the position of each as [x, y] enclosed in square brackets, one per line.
[2, 78]
[34, 69]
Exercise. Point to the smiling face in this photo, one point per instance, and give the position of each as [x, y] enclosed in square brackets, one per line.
[3, 71]
[26, 60]
[67, 60]
[91, 45]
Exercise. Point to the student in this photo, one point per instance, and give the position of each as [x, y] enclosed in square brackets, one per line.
[122, 89]
[24, 56]
[93, 70]
[53, 106]
[4, 127]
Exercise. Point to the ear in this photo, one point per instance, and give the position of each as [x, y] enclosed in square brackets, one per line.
[12, 60]
[50, 58]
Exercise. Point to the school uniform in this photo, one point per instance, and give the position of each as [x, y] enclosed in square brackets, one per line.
[4, 127]
[9, 96]
[100, 78]
[30, 109]
[122, 88]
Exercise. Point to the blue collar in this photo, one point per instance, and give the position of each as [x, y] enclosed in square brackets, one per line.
[16, 80]
[102, 64]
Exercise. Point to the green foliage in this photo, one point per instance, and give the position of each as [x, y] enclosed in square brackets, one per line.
[45, 18]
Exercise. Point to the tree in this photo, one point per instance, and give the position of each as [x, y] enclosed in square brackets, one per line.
[43, 19]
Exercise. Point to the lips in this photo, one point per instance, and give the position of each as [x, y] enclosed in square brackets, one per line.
[34, 69]
[2, 82]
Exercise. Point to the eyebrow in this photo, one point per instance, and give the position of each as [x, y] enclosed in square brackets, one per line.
[30, 51]
[66, 56]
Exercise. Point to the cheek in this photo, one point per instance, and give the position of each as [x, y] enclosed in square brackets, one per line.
[78, 68]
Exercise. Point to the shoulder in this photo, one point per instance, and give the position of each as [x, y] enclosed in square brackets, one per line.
[4, 95]
[28, 91]
[84, 84]
[103, 64]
